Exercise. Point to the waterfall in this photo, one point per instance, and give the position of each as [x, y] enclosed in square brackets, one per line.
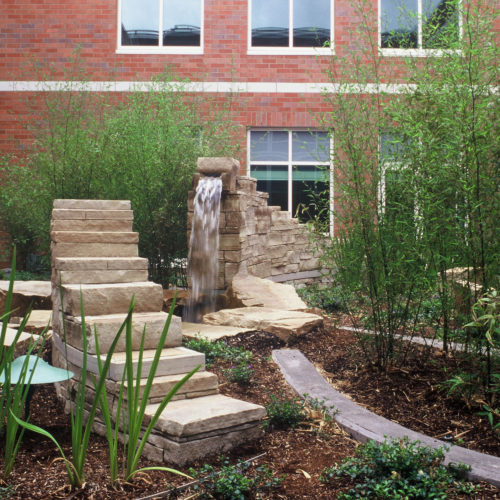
[203, 258]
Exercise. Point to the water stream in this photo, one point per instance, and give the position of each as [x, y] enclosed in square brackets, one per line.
[203, 258]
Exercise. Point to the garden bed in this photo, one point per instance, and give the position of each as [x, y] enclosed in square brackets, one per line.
[299, 455]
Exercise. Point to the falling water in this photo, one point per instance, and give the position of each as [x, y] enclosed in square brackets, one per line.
[203, 258]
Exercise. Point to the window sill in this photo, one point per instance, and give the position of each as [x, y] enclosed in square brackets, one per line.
[290, 51]
[418, 52]
[145, 50]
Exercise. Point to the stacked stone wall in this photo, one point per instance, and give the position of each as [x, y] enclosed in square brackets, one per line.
[261, 239]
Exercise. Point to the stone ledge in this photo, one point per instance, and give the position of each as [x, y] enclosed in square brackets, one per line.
[364, 425]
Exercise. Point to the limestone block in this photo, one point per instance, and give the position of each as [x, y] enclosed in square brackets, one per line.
[233, 203]
[293, 257]
[92, 204]
[309, 264]
[94, 237]
[217, 166]
[103, 276]
[103, 264]
[108, 325]
[230, 269]
[274, 238]
[91, 225]
[26, 293]
[229, 242]
[262, 270]
[284, 324]
[235, 219]
[232, 256]
[212, 413]
[81, 214]
[173, 360]
[38, 321]
[277, 251]
[249, 291]
[94, 250]
[112, 298]
[262, 225]
[279, 268]
[228, 181]
[280, 215]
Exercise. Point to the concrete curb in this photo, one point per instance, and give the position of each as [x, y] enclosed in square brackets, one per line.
[364, 425]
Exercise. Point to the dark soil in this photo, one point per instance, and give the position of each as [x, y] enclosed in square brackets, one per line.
[409, 397]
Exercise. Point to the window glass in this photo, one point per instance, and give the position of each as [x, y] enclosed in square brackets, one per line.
[310, 192]
[399, 24]
[272, 179]
[139, 22]
[311, 23]
[269, 146]
[270, 19]
[392, 146]
[440, 24]
[181, 22]
[307, 146]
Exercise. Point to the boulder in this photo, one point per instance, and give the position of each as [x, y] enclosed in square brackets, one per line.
[26, 293]
[250, 291]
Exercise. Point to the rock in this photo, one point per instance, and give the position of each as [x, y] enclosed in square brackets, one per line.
[26, 293]
[37, 322]
[250, 291]
[283, 324]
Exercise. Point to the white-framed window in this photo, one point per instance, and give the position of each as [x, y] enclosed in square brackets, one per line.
[280, 27]
[294, 167]
[418, 27]
[160, 26]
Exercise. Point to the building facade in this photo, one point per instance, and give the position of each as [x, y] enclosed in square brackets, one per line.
[273, 57]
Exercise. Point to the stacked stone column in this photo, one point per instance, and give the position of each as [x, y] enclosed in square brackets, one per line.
[95, 263]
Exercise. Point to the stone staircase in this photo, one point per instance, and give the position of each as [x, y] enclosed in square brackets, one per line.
[95, 259]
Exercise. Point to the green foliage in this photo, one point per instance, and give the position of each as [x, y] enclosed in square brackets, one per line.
[240, 373]
[330, 299]
[416, 179]
[398, 469]
[231, 482]
[217, 350]
[142, 147]
[284, 413]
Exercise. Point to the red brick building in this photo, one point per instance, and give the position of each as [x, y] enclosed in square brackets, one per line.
[270, 53]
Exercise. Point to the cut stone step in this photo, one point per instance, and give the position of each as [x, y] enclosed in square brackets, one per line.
[108, 325]
[173, 360]
[91, 225]
[102, 299]
[103, 276]
[100, 264]
[91, 214]
[93, 250]
[94, 237]
[92, 204]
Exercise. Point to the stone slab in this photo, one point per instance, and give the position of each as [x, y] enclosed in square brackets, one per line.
[11, 333]
[364, 425]
[91, 225]
[103, 276]
[26, 293]
[94, 250]
[38, 321]
[112, 298]
[92, 204]
[97, 263]
[283, 324]
[173, 360]
[189, 417]
[210, 332]
[89, 214]
[108, 325]
[249, 291]
[94, 237]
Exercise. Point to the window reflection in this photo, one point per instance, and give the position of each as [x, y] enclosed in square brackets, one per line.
[440, 23]
[139, 22]
[311, 23]
[272, 179]
[270, 23]
[399, 23]
[181, 22]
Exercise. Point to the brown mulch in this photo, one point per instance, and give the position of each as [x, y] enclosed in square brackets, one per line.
[297, 454]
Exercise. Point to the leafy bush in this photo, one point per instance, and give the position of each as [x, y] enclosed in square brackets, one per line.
[328, 298]
[284, 413]
[231, 481]
[398, 469]
[141, 147]
[241, 373]
[217, 350]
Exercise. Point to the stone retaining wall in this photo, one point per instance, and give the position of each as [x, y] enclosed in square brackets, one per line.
[263, 239]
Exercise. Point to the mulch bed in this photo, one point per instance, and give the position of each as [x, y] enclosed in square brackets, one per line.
[297, 454]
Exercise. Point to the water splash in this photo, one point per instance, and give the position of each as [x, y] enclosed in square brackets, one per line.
[203, 258]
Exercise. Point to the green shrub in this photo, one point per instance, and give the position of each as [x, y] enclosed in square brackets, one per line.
[217, 350]
[328, 298]
[231, 481]
[284, 413]
[240, 373]
[398, 469]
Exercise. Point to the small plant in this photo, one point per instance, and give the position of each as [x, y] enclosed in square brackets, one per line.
[399, 469]
[241, 373]
[284, 413]
[330, 299]
[231, 482]
[217, 350]
[320, 408]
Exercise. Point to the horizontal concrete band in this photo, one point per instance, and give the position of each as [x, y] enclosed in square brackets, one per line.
[364, 425]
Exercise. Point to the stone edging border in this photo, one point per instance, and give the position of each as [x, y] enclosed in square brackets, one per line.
[364, 425]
